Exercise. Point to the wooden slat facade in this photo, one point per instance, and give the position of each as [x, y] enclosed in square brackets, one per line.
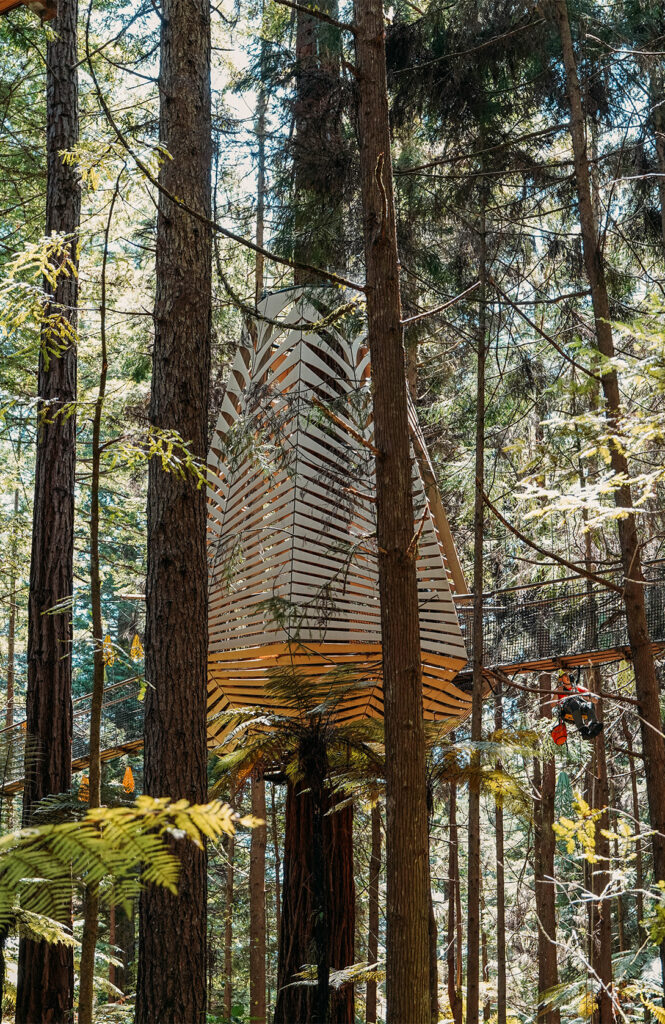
[291, 528]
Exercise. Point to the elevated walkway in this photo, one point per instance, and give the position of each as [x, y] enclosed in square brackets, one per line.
[539, 627]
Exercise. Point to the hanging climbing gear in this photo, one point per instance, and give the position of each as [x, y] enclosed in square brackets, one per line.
[128, 780]
[84, 790]
[576, 705]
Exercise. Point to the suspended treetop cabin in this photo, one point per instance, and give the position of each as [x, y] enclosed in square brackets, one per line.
[291, 542]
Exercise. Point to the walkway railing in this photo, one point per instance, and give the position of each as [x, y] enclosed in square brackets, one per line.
[566, 621]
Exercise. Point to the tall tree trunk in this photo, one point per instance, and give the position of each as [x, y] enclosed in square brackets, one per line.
[473, 871]
[433, 963]
[545, 846]
[277, 863]
[91, 900]
[257, 904]
[639, 867]
[487, 1003]
[646, 683]
[373, 912]
[228, 925]
[173, 930]
[500, 884]
[454, 933]
[407, 862]
[601, 949]
[45, 986]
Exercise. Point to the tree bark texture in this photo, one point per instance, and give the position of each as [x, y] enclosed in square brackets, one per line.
[646, 683]
[318, 906]
[373, 912]
[228, 924]
[257, 901]
[474, 871]
[454, 936]
[173, 930]
[407, 862]
[46, 973]
[544, 849]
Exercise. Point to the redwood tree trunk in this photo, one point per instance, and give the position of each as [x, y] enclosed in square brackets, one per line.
[257, 905]
[407, 864]
[45, 985]
[646, 683]
[173, 931]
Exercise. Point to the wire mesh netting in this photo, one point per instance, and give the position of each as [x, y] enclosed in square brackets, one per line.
[561, 619]
[122, 726]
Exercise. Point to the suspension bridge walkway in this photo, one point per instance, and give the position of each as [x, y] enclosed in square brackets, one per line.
[533, 628]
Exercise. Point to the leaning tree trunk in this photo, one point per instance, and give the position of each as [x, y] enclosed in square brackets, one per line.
[45, 987]
[646, 683]
[407, 874]
[173, 931]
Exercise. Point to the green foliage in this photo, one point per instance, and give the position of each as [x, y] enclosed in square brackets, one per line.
[126, 846]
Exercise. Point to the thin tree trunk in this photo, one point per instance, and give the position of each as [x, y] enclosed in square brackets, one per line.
[91, 899]
[646, 683]
[454, 937]
[277, 862]
[487, 1004]
[173, 929]
[228, 925]
[639, 867]
[257, 900]
[545, 846]
[433, 963]
[373, 912]
[473, 870]
[45, 986]
[601, 956]
[407, 862]
[500, 882]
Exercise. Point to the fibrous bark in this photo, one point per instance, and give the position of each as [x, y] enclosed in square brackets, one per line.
[173, 930]
[46, 972]
[407, 864]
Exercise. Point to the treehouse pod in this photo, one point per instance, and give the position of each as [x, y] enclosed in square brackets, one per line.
[291, 527]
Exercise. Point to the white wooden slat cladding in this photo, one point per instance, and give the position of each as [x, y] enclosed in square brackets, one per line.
[292, 553]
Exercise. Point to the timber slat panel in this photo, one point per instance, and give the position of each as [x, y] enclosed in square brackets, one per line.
[293, 565]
